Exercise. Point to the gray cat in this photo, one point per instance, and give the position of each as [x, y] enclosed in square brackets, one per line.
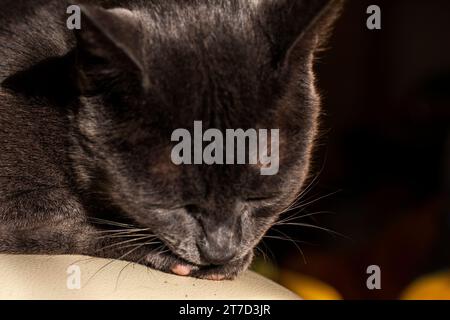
[86, 118]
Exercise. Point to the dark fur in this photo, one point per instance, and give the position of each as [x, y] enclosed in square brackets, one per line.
[86, 119]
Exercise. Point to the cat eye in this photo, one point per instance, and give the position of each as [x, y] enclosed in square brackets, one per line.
[191, 208]
[188, 207]
[260, 198]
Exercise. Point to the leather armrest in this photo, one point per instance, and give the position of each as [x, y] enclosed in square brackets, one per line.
[81, 277]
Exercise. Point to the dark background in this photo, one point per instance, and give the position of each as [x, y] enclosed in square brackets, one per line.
[385, 149]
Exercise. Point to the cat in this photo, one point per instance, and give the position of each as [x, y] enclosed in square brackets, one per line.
[86, 117]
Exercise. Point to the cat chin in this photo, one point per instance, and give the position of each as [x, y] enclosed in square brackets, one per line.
[170, 263]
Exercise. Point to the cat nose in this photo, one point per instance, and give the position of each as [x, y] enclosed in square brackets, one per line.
[217, 251]
[219, 245]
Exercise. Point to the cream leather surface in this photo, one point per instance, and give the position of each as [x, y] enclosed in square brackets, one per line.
[80, 277]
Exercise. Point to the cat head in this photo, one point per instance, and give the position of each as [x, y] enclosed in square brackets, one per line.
[147, 70]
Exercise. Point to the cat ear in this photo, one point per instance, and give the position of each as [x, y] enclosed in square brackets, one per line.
[109, 45]
[296, 28]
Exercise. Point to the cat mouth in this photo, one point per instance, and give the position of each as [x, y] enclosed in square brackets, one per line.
[178, 263]
[171, 262]
[166, 256]
[186, 270]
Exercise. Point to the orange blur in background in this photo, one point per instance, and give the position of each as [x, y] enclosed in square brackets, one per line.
[384, 162]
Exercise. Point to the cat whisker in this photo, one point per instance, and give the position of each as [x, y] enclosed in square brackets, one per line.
[119, 231]
[137, 244]
[120, 273]
[132, 235]
[287, 239]
[258, 249]
[126, 241]
[304, 204]
[267, 248]
[109, 222]
[307, 189]
[130, 263]
[164, 251]
[294, 216]
[162, 247]
[299, 224]
[112, 261]
[294, 242]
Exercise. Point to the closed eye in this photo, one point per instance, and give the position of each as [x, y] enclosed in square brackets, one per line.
[164, 206]
[260, 198]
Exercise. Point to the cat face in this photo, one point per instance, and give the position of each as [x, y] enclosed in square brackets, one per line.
[144, 73]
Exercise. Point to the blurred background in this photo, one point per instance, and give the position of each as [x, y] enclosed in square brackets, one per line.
[382, 163]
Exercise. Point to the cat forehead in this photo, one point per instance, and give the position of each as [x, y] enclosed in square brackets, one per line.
[199, 23]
